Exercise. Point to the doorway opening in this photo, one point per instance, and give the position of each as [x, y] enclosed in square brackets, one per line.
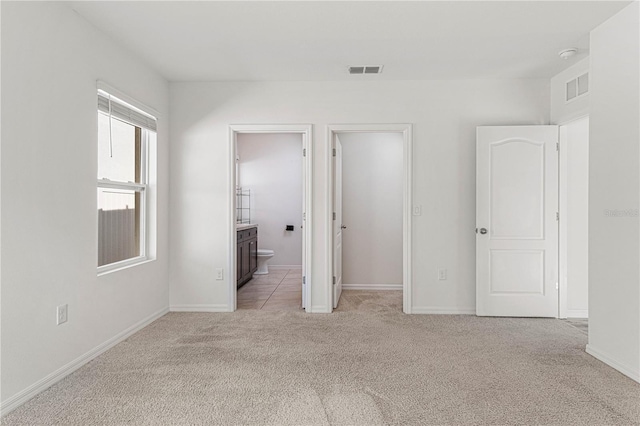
[370, 210]
[574, 221]
[270, 195]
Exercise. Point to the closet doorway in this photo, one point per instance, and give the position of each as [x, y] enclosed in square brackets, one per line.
[369, 210]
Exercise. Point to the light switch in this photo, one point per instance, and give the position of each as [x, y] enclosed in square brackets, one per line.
[442, 274]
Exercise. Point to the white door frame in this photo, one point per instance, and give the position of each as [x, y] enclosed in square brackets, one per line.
[563, 236]
[407, 134]
[306, 130]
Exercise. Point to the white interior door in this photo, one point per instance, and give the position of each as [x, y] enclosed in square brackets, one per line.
[516, 219]
[337, 221]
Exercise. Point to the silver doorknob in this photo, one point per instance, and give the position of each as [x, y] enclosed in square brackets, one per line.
[343, 227]
[483, 230]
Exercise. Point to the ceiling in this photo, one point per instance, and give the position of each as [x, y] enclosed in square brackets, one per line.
[291, 41]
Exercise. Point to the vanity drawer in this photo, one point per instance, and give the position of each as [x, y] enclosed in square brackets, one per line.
[246, 234]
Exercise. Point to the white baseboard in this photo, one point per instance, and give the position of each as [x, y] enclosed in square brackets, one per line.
[23, 396]
[199, 308]
[436, 310]
[577, 313]
[601, 356]
[296, 267]
[320, 309]
[372, 286]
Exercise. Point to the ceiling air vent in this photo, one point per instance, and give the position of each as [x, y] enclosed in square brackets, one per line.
[365, 69]
[577, 87]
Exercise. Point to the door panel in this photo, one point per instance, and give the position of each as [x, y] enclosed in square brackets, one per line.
[517, 235]
[517, 205]
[516, 271]
[337, 223]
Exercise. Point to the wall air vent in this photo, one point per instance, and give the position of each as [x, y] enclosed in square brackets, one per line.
[365, 69]
[577, 87]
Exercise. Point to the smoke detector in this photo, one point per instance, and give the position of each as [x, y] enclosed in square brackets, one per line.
[567, 53]
[365, 69]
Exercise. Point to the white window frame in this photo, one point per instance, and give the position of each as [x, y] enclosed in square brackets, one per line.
[142, 188]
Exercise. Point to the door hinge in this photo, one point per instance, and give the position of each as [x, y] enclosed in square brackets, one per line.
[304, 215]
[304, 152]
[557, 215]
[558, 146]
[304, 280]
[334, 215]
[334, 280]
[334, 152]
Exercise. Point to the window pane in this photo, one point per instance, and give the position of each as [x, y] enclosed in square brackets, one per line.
[118, 158]
[118, 225]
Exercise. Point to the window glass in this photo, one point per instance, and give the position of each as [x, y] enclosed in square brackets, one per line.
[116, 152]
[118, 225]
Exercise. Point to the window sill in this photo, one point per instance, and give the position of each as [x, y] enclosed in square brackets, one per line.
[125, 264]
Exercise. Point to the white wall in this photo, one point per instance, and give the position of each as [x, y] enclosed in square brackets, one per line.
[445, 115]
[561, 110]
[51, 59]
[574, 215]
[614, 173]
[372, 185]
[271, 167]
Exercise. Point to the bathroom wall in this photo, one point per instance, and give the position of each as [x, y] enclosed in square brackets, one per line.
[372, 185]
[270, 165]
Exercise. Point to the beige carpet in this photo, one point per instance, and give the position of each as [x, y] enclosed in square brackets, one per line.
[365, 364]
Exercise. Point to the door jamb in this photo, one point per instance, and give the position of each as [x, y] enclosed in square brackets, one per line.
[306, 130]
[407, 134]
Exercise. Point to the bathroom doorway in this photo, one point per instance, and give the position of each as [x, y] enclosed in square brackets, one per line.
[370, 185]
[270, 191]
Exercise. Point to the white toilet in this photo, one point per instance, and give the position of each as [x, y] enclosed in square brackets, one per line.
[263, 259]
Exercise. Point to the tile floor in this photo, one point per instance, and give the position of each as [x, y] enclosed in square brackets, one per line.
[279, 290]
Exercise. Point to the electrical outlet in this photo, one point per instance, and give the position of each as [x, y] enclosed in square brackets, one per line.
[61, 312]
[219, 274]
[417, 210]
[442, 274]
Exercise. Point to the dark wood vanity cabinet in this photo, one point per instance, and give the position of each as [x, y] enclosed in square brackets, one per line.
[247, 255]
